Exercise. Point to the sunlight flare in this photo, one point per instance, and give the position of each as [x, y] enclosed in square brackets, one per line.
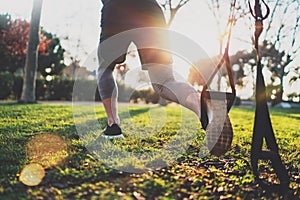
[32, 174]
[47, 149]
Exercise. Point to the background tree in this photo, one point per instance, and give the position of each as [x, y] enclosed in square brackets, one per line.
[5, 24]
[225, 15]
[28, 90]
[279, 47]
[194, 76]
[51, 56]
[13, 43]
[14, 35]
[296, 75]
[219, 10]
[280, 44]
[282, 34]
[171, 7]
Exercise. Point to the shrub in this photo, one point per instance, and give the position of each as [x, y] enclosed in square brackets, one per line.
[62, 89]
[6, 84]
[17, 87]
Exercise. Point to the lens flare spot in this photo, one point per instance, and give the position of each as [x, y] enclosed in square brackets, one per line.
[47, 149]
[32, 174]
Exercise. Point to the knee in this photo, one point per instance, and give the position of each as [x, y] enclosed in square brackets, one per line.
[106, 83]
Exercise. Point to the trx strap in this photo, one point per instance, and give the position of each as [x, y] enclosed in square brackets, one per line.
[262, 123]
[225, 59]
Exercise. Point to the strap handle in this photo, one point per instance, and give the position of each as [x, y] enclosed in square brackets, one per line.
[225, 56]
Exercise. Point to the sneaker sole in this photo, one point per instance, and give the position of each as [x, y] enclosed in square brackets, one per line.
[112, 137]
[219, 137]
[219, 132]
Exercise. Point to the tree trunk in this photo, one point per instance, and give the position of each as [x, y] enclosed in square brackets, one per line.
[279, 95]
[30, 69]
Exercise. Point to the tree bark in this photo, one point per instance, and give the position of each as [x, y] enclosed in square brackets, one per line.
[30, 69]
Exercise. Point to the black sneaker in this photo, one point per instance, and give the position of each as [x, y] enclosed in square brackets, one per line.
[113, 131]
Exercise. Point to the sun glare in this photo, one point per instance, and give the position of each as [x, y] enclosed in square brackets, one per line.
[46, 149]
[43, 151]
[32, 174]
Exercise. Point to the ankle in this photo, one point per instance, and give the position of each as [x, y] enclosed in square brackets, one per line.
[110, 122]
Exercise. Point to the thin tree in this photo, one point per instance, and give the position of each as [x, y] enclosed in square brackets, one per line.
[221, 12]
[29, 79]
[171, 8]
[283, 32]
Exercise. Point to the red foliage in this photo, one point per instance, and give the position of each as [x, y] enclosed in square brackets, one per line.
[16, 39]
[44, 45]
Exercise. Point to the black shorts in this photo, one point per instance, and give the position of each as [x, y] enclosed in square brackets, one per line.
[123, 15]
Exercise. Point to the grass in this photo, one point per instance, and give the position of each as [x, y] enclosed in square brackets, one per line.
[79, 170]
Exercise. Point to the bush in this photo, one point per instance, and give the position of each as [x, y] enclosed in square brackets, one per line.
[125, 92]
[86, 90]
[146, 95]
[59, 89]
[17, 87]
[16, 90]
[62, 89]
[6, 84]
[237, 101]
[41, 89]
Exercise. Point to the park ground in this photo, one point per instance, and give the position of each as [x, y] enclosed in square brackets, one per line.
[80, 175]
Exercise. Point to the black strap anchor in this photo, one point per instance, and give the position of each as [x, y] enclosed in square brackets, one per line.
[257, 14]
[230, 97]
[262, 123]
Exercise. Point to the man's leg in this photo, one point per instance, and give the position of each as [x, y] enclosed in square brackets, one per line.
[107, 51]
[111, 109]
[164, 83]
[109, 92]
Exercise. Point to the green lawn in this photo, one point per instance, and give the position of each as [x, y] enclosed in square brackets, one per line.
[148, 130]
